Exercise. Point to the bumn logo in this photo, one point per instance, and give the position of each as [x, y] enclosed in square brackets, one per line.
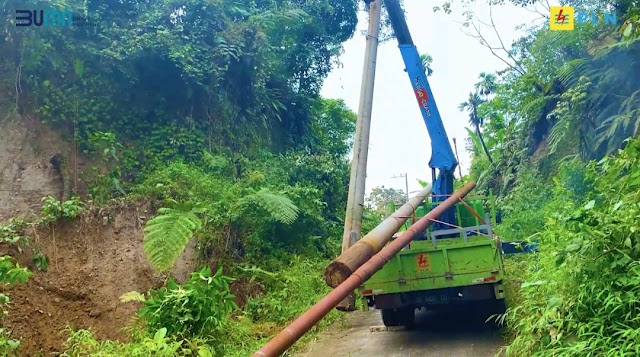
[45, 18]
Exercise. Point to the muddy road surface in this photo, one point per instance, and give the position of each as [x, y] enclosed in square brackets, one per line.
[436, 335]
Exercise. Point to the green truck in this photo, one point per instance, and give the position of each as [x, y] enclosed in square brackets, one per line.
[442, 269]
[458, 260]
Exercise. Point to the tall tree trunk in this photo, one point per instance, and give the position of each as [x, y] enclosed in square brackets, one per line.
[484, 146]
[476, 123]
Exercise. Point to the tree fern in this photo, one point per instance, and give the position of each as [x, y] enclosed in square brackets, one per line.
[168, 233]
[272, 19]
[571, 127]
[572, 70]
[279, 207]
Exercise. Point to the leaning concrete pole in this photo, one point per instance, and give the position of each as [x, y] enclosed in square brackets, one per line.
[373, 241]
[355, 200]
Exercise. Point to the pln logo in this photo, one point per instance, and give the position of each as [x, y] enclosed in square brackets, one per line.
[561, 18]
[564, 18]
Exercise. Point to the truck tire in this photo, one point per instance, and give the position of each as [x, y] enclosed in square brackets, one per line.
[409, 318]
[500, 306]
[404, 316]
[390, 317]
[488, 309]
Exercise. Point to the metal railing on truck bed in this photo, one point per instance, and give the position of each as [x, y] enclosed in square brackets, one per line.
[469, 212]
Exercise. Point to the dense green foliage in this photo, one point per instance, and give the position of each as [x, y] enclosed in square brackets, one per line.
[197, 308]
[382, 201]
[168, 234]
[579, 296]
[203, 302]
[570, 93]
[546, 138]
[211, 111]
[172, 76]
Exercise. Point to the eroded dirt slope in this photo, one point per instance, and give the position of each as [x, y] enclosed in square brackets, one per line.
[93, 260]
[26, 145]
[91, 265]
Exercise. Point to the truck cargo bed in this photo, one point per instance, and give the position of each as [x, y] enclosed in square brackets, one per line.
[451, 263]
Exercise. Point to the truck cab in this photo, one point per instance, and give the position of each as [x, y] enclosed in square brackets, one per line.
[441, 269]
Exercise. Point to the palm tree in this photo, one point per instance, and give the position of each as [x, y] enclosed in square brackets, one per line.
[487, 84]
[426, 61]
[471, 106]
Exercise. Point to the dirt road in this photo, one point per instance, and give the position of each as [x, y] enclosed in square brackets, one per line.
[435, 336]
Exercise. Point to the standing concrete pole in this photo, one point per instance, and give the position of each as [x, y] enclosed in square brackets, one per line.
[355, 200]
[406, 184]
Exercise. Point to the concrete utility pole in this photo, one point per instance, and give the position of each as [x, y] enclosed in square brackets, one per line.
[365, 258]
[406, 183]
[355, 200]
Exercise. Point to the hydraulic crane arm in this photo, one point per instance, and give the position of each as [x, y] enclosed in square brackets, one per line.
[442, 157]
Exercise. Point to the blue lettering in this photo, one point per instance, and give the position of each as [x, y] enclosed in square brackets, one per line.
[610, 18]
[36, 21]
[26, 16]
[581, 17]
[594, 19]
[58, 18]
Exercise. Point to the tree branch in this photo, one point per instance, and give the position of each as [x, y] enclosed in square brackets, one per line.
[483, 41]
[500, 39]
[510, 61]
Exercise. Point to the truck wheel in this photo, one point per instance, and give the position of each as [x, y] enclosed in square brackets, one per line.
[390, 317]
[409, 318]
[500, 306]
[490, 308]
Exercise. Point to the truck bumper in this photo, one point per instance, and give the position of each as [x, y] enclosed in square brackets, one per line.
[438, 297]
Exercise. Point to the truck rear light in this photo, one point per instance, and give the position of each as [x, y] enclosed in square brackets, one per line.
[484, 280]
[367, 292]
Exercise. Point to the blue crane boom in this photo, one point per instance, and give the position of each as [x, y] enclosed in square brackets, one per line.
[442, 157]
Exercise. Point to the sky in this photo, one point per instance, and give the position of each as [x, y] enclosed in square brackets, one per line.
[399, 142]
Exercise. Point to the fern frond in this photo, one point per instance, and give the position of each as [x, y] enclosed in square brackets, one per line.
[477, 146]
[572, 70]
[558, 133]
[616, 126]
[631, 103]
[533, 105]
[621, 45]
[271, 19]
[168, 234]
[132, 296]
[279, 207]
